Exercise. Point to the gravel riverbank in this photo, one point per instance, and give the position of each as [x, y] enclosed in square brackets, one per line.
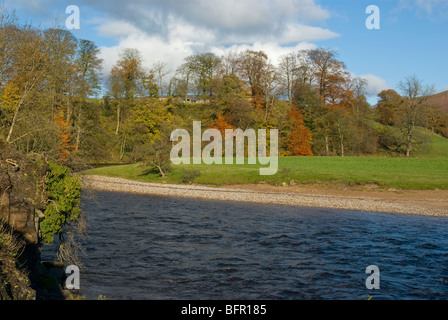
[429, 203]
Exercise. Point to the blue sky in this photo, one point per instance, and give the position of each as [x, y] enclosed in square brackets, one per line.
[412, 39]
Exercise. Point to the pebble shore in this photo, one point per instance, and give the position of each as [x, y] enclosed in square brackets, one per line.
[368, 204]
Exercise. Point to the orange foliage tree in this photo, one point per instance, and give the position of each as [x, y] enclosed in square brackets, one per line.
[221, 124]
[298, 142]
[65, 147]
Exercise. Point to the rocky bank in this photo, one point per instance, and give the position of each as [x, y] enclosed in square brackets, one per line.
[22, 203]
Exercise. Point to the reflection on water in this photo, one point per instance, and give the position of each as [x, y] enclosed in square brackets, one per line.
[151, 247]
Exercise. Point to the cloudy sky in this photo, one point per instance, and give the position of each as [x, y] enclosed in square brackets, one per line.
[412, 39]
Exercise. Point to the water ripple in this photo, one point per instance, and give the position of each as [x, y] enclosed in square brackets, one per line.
[149, 247]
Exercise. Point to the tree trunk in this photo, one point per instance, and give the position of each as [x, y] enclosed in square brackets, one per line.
[408, 145]
[13, 123]
[341, 140]
[122, 147]
[327, 148]
[118, 119]
[161, 171]
[14, 119]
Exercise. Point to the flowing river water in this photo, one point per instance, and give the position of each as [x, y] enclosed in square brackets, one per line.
[152, 247]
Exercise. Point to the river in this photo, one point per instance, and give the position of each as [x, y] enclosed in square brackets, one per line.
[152, 247]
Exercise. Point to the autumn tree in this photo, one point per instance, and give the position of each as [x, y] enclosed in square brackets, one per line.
[411, 115]
[387, 108]
[9, 29]
[436, 120]
[88, 67]
[23, 70]
[61, 46]
[126, 80]
[329, 74]
[198, 73]
[233, 103]
[65, 146]
[253, 68]
[150, 84]
[148, 131]
[298, 141]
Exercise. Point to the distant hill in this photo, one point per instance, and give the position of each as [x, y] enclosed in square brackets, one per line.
[440, 100]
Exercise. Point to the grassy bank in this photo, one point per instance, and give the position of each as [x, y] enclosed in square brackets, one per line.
[398, 173]
[427, 170]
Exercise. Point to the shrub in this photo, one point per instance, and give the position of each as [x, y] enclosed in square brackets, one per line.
[64, 194]
[189, 176]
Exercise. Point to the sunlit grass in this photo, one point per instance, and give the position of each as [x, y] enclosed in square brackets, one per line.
[428, 169]
[399, 173]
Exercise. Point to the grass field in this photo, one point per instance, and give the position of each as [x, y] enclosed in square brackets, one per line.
[398, 173]
[425, 171]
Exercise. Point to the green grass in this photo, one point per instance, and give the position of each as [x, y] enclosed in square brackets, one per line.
[436, 148]
[427, 170]
[399, 173]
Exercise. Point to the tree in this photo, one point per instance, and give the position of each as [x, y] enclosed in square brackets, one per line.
[160, 70]
[198, 73]
[298, 142]
[61, 48]
[415, 93]
[65, 148]
[126, 80]
[232, 102]
[388, 107]
[252, 69]
[309, 102]
[150, 85]
[183, 80]
[288, 70]
[329, 74]
[9, 30]
[159, 157]
[24, 71]
[88, 66]
[230, 62]
[436, 120]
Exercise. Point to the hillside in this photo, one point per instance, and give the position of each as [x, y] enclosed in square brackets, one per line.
[440, 100]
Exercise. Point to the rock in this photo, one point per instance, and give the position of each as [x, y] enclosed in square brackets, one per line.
[293, 183]
[14, 282]
[22, 201]
[21, 192]
[284, 184]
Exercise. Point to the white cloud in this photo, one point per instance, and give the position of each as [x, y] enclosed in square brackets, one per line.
[176, 49]
[375, 84]
[116, 29]
[153, 49]
[294, 33]
[243, 21]
[171, 30]
[430, 7]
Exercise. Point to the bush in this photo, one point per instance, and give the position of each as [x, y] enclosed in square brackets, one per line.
[189, 176]
[64, 194]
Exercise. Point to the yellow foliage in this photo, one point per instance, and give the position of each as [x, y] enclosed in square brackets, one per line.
[10, 98]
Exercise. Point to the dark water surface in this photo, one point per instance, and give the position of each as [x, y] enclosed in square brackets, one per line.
[151, 247]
